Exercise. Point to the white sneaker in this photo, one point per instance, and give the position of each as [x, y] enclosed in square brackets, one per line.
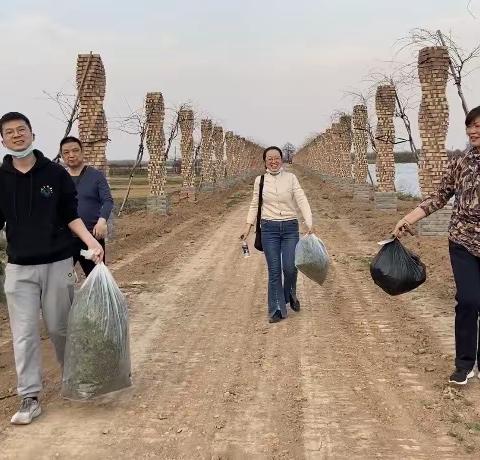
[29, 410]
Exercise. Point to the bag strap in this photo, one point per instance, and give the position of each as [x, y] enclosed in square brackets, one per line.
[260, 201]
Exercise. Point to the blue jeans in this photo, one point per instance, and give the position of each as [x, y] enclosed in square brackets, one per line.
[279, 239]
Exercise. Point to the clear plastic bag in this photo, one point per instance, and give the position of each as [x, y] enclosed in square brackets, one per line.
[396, 270]
[97, 353]
[311, 258]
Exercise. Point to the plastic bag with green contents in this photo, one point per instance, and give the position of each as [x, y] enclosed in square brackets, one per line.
[97, 353]
[311, 258]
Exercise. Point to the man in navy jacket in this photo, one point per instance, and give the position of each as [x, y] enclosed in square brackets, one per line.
[38, 204]
[95, 201]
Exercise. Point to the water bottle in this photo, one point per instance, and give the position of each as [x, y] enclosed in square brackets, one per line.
[246, 252]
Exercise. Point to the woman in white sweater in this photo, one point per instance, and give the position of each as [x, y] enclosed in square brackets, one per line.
[282, 194]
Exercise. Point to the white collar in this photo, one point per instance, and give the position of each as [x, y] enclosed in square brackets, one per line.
[275, 174]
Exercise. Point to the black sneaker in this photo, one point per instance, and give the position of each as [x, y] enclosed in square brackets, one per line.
[294, 303]
[461, 376]
[277, 316]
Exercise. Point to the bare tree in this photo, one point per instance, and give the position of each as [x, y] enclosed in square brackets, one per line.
[69, 105]
[288, 151]
[469, 9]
[400, 79]
[460, 59]
[134, 124]
[65, 103]
[365, 99]
[175, 126]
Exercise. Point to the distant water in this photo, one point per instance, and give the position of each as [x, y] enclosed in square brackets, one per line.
[406, 177]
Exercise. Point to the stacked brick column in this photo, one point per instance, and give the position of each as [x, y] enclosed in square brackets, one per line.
[236, 152]
[218, 147]
[92, 124]
[319, 155]
[229, 152]
[385, 198]
[157, 171]
[328, 152]
[360, 145]
[242, 158]
[336, 151]
[316, 159]
[186, 122]
[323, 152]
[345, 145]
[257, 165]
[433, 64]
[206, 148]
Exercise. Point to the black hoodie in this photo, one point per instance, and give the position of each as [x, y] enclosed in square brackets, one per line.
[37, 208]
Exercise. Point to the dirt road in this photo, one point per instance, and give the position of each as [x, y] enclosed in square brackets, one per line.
[355, 374]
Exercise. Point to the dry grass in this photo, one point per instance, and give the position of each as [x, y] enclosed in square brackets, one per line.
[140, 187]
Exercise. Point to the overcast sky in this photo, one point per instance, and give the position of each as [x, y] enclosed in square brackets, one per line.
[270, 70]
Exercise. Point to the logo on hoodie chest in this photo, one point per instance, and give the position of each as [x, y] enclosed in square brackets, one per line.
[46, 191]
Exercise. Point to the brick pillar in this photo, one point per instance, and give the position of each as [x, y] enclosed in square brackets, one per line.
[362, 190]
[157, 172]
[229, 153]
[336, 154]
[206, 148]
[433, 65]
[385, 197]
[328, 152]
[219, 152]
[92, 124]
[345, 144]
[186, 122]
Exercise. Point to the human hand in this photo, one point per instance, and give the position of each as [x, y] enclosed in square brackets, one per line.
[100, 229]
[246, 232]
[402, 227]
[97, 251]
[307, 230]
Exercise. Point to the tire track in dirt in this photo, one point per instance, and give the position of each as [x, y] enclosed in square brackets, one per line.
[385, 366]
[213, 380]
[201, 366]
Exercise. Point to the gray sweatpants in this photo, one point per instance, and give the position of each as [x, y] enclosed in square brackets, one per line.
[29, 288]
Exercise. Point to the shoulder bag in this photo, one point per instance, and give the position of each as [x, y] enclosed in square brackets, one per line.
[258, 229]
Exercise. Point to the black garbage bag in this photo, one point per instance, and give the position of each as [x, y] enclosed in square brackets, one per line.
[397, 270]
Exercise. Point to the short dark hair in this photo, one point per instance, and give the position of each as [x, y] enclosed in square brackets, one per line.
[272, 147]
[472, 116]
[68, 139]
[12, 116]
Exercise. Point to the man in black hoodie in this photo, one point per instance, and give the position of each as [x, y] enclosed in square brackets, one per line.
[38, 204]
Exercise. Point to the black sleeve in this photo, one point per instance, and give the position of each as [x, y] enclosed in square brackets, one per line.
[2, 220]
[68, 202]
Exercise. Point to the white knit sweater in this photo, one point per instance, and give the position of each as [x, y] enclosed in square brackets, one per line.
[281, 193]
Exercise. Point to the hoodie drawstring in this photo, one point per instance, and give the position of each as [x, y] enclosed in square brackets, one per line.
[15, 199]
[31, 196]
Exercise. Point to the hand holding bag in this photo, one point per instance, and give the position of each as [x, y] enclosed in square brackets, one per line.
[258, 229]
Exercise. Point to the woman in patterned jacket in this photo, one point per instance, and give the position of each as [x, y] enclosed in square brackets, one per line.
[461, 180]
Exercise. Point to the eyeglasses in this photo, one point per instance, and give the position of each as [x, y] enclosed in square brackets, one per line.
[21, 131]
